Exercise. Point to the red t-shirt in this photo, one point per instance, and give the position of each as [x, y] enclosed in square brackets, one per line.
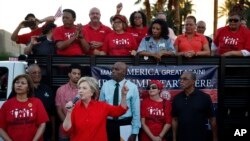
[155, 116]
[89, 123]
[138, 33]
[92, 34]
[226, 41]
[25, 38]
[20, 120]
[195, 44]
[62, 34]
[119, 44]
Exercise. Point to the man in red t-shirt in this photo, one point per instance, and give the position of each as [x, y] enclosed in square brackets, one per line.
[234, 39]
[95, 32]
[68, 37]
[32, 22]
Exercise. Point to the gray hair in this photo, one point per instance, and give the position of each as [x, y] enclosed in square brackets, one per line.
[30, 67]
[192, 74]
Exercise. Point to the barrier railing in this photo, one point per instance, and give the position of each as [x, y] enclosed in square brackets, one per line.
[233, 80]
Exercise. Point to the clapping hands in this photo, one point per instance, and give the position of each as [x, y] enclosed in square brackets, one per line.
[78, 32]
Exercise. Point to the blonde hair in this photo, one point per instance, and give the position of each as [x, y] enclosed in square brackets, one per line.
[93, 84]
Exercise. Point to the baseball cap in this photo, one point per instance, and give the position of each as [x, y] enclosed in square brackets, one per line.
[121, 17]
[157, 83]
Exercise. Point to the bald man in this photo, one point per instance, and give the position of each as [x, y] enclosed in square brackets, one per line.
[201, 28]
[95, 32]
[132, 116]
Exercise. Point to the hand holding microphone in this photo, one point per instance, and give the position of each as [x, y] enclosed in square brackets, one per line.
[71, 104]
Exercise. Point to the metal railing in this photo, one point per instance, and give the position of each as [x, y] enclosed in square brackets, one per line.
[233, 80]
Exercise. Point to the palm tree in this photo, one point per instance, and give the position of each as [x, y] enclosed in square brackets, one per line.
[241, 6]
[146, 3]
[215, 16]
[177, 18]
[177, 10]
[185, 9]
[225, 8]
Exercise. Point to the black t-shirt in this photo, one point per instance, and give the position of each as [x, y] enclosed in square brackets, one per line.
[192, 113]
[46, 47]
[46, 95]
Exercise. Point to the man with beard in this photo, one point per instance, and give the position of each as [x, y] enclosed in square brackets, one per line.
[32, 22]
[108, 94]
[66, 93]
[191, 109]
[95, 31]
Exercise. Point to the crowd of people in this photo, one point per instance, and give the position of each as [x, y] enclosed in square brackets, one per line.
[29, 113]
[87, 112]
[131, 37]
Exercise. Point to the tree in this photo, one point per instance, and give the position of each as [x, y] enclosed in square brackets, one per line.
[185, 9]
[146, 3]
[241, 6]
[225, 8]
[177, 10]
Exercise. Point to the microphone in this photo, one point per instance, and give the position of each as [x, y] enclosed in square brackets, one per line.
[74, 101]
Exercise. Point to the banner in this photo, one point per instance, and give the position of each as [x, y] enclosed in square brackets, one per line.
[206, 78]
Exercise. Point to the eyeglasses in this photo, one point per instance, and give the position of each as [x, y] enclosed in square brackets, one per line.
[234, 20]
[117, 22]
[152, 87]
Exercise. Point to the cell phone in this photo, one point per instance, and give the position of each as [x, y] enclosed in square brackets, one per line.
[41, 38]
[29, 23]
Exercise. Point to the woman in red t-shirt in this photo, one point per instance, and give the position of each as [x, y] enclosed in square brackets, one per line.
[22, 117]
[119, 42]
[138, 26]
[155, 114]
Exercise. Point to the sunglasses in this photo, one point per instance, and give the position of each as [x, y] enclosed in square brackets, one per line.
[152, 87]
[234, 20]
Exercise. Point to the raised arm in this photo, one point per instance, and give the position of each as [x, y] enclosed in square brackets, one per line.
[47, 19]
[125, 90]
[14, 35]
